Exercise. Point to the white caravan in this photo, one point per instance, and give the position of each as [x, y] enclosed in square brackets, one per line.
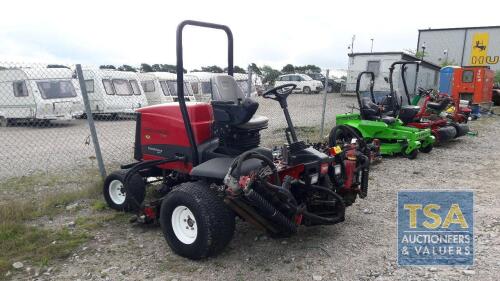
[113, 92]
[39, 94]
[153, 89]
[168, 86]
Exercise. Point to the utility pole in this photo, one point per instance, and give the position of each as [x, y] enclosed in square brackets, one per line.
[371, 48]
[352, 44]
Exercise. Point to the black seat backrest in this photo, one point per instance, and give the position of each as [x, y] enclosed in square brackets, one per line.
[440, 105]
[369, 110]
[229, 102]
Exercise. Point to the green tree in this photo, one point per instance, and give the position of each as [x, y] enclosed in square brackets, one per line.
[213, 69]
[127, 67]
[237, 69]
[270, 74]
[310, 68]
[107, 66]
[57, 66]
[287, 69]
[255, 69]
[146, 67]
[165, 68]
[448, 62]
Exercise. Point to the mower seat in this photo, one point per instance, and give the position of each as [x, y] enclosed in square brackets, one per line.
[231, 106]
[439, 106]
[369, 110]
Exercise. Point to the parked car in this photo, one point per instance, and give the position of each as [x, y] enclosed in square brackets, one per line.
[305, 84]
[496, 94]
[332, 87]
[39, 95]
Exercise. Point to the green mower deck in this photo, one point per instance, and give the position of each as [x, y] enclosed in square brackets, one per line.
[394, 138]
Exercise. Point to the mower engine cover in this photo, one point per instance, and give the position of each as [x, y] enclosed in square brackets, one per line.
[161, 133]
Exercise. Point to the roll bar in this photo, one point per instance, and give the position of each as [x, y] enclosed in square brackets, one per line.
[403, 69]
[372, 84]
[180, 74]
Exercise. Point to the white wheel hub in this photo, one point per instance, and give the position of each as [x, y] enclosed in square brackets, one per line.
[184, 225]
[117, 192]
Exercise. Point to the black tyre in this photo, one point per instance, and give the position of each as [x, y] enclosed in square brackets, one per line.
[412, 155]
[195, 222]
[426, 149]
[123, 198]
[306, 90]
[343, 134]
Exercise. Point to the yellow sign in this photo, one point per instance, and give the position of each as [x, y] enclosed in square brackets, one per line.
[479, 51]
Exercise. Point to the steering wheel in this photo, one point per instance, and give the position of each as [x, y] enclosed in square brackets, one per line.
[422, 91]
[279, 93]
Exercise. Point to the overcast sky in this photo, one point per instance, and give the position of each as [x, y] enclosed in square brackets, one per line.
[265, 32]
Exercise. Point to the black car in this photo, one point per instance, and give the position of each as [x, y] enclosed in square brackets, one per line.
[333, 86]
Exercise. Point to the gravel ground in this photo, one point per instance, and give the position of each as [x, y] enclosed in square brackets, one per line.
[361, 248]
[66, 146]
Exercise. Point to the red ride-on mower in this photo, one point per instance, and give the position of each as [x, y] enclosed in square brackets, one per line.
[211, 168]
[415, 116]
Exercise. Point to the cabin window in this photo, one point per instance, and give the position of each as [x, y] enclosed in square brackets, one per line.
[148, 86]
[89, 85]
[122, 87]
[108, 86]
[20, 89]
[164, 88]
[468, 76]
[172, 86]
[56, 89]
[194, 87]
[135, 87]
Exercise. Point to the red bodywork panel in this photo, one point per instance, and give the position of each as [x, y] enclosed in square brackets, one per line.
[480, 87]
[163, 134]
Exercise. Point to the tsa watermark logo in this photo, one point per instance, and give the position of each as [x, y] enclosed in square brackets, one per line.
[435, 228]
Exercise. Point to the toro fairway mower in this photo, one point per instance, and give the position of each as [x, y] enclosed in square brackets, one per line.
[373, 125]
[427, 116]
[210, 168]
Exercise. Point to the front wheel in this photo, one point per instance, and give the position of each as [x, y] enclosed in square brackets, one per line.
[426, 149]
[412, 154]
[123, 198]
[306, 90]
[195, 222]
[329, 88]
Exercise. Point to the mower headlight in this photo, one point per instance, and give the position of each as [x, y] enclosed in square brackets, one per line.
[314, 178]
[338, 170]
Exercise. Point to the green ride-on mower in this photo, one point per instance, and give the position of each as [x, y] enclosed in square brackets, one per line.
[375, 125]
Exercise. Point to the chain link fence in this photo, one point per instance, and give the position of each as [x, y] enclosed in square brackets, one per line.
[48, 112]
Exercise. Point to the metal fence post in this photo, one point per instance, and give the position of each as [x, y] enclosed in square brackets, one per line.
[324, 105]
[249, 82]
[90, 120]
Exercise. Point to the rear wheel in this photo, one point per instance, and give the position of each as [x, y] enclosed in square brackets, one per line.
[195, 222]
[123, 198]
[329, 88]
[306, 90]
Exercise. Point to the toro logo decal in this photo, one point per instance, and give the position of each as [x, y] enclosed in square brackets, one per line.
[435, 228]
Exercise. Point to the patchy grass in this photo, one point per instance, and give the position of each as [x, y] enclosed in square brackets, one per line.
[99, 205]
[37, 245]
[305, 133]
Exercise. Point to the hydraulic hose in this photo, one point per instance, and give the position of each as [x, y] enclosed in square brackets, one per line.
[326, 220]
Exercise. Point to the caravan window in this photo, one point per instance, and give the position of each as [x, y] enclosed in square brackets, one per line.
[373, 66]
[89, 84]
[468, 76]
[164, 88]
[172, 86]
[108, 87]
[20, 89]
[148, 86]
[56, 89]
[135, 87]
[206, 88]
[122, 87]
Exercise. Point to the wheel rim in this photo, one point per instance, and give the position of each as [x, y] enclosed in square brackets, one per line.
[184, 225]
[117, 192]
